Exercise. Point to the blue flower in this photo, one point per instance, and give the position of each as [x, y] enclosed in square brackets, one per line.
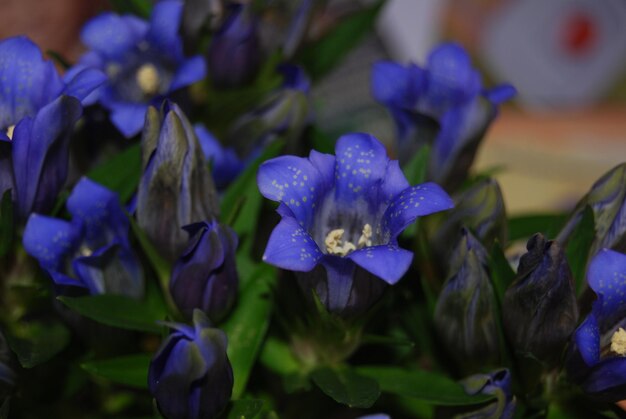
[190, 376]
[597, 359]
[205, 276]
[92, 251]
[225, 164]
[144, 62]
[341, 217]
[447, 90]
[38, 110]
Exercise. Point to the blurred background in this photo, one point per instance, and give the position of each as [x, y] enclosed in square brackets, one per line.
[567, 58]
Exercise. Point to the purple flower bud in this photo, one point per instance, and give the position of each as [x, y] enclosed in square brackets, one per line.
[205, 276]
[190, 376]
[496, 383]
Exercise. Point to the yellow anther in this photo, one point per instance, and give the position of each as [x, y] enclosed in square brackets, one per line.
[618, 342]
[10, 131]
[365, 239]
[148, 79]
[336, 246]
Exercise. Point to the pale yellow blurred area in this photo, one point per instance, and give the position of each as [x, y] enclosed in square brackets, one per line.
[549, 160]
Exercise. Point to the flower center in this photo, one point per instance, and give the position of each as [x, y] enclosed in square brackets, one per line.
[148, 79]
[618, 342]
[10, 131]
[335, 245]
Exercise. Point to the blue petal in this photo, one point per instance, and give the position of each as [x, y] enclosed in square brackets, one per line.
[500, 94]
[587, 338]
[81, 82]
[607, 277]
[293, 181]
[361, 165]
[414, 202]
[226, 165]
[50, 240]
[27, 82]
[388, 262]
[112, 35]
[294, 78]
[190, 71]
[607, 374]
[394, 182]
[164, 24]
[128, 117]
[291, 247]
[395, 85]
[41, 153]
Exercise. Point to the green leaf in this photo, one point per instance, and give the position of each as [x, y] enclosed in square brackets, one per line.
[524, 226]
[131, 370]
[318, 59]
[277, 357]
[121, 173]
[7, 224]
[118, 311]
[141, 8]
[244, 409]
[578, 247]
[416, 171]
[347, 387]
[247, 325]
[37, 342]
[321, 141]
[423, 385]
[245, 187]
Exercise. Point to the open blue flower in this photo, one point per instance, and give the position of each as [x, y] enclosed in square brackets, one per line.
[598, 363]
[447, 90]
[38, 109]
[91, 251]
[144, 62]
[343, 215]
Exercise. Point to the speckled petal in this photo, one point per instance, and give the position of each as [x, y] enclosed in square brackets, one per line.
[387, 262]
[587, 338]
[291, 247]
[112, 35]
[607, 277]
[49, 240]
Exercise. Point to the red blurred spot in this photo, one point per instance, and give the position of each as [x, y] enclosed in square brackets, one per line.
[580, 34]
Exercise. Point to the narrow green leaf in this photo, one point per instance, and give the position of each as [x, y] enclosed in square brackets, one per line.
[277, 357]
[247, 325]
[245, 185]
[244, 409]
[121, 173]
[141, 8]
[118, 311]
[38, 342]
[423, 385]
[321, 141]
[578, 247]
[386, 340]
[131, 370]
[524, 226]
[318, 59]
[347, 387]
[7, 224]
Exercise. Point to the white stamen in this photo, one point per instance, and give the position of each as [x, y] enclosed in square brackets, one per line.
[334, 244]
[85, 251]
[618, 342]
[148, 79]
[10, 131]
[365, 239]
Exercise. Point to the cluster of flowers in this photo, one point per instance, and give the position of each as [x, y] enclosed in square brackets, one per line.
[342, 216]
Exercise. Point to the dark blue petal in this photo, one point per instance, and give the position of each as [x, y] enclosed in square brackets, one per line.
[397, 86]
[388, 262]
[293, 181]
[27, 82]
[339, 282]
[128, 117]
[587, 338]
[291, 247]
[80, 83]
[500, 94]
[50, 240]
[164, 24]
[414, 202]
[361, 165]
[225, 163]
[112, 35]
[607, 277]
[394, 182]
[294, 78]
[190, 71]
[608, 373]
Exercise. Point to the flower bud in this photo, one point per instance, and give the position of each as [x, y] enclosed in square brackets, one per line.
[539, 309]
[190, 376]
[496, 383]
[465, 312]
[205, 276]
[176, 188]
[235, 50]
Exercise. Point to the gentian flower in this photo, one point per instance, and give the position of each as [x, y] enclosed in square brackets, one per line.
[190, 376]
[540, 310]
[497, 383]
[174, 172]
[597, 362]
[38, 110]
[205, 276]
[341, 217]
[225, 164]
[235, 49]
[92, 251]
[447, 90]
[144, 62]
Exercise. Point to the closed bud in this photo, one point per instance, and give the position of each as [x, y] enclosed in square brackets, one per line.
[496, 383]
[539, 308]
[465, 312]
[176, 188]
[235, 50]
[190, 376]
[205, 276]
